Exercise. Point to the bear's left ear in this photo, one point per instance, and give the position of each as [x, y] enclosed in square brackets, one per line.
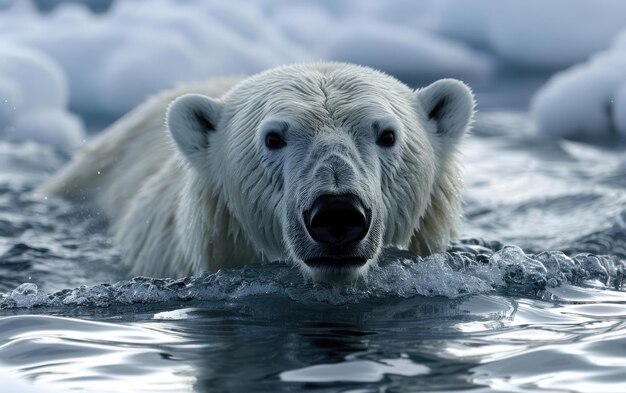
[192, 119]
[449, 105]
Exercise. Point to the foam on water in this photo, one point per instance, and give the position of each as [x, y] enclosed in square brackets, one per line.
[469, 270]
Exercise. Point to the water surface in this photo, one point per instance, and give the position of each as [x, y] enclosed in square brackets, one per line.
[531, 298]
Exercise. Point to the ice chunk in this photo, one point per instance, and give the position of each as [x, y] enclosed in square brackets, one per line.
[33, 99]
[384, 35]
[114, 61]
[320, 23]
[140, 47]
[554, 34]
[587, 101]
[531, 33]
[26, 295]
[40, 81]
[50, 126]
[405, 52]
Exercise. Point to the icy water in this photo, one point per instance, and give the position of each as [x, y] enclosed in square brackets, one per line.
[530, 300]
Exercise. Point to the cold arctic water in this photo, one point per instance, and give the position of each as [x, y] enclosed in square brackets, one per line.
[531, 298]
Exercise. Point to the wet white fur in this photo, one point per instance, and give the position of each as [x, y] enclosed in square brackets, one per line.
[193, 199]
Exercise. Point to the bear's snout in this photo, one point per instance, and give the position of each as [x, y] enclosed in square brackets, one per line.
[337, 219]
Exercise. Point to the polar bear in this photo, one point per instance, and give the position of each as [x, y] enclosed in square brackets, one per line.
[320, 164]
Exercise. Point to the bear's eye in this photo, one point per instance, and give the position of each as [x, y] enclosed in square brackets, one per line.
[273, 141]
[386, 138]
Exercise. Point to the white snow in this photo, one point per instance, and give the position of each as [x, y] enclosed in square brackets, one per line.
[102, 65]
[407, 53]
[535, 34]
[531, 33]
[115, 60]
[556, 33]
[378, 34]
[33, 99]
[588, 100]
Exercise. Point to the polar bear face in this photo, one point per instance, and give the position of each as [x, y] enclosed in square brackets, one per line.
[325, 164]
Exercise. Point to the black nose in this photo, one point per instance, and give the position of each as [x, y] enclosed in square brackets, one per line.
[337, 219]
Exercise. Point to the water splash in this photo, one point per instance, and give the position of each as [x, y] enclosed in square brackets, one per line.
[469, 268]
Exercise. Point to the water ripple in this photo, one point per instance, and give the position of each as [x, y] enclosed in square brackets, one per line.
[471, 270]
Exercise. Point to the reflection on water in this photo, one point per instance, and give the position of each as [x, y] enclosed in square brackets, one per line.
[70, 352]
[483, 316]
[273, 344]
[352, 370]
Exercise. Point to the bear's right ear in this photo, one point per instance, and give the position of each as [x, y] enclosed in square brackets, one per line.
[191, 119]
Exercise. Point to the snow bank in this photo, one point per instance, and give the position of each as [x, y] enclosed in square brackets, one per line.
[587, 101]
[114, 61]
[531, 33]
[366, 33]
[407, 53]
[535, 34]
[33, 99]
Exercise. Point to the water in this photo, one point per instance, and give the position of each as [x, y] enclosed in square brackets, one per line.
[531, 299]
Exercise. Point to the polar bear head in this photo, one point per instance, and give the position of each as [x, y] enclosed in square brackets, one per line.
[325, 164]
